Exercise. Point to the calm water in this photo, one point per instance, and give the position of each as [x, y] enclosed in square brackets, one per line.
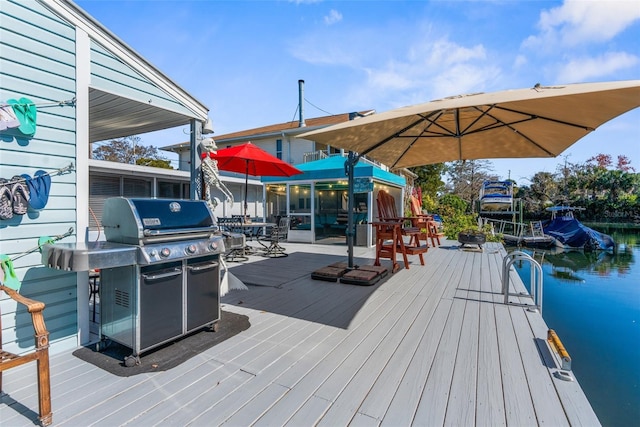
[592, 300]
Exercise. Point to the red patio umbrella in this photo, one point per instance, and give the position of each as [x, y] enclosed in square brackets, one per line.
[252, 160]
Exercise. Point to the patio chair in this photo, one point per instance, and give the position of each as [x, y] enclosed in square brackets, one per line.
[271, 240]
[426, 223]
[40, 354]
[233, 225]
[244, 228]
[390, 233]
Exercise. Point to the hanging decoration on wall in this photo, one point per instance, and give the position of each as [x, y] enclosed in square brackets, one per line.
[24, 191]
[39, 187]
[8, 276]
[8, 119]
[21, 114]
[25, 110]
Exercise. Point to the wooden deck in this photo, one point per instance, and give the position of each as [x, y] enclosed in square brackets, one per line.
[433, 345]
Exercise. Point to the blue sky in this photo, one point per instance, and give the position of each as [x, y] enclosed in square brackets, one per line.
[243, 59]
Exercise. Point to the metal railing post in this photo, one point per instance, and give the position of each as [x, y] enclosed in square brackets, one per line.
[536, 277]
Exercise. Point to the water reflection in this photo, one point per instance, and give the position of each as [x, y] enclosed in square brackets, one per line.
[592, 299]
[570, 266]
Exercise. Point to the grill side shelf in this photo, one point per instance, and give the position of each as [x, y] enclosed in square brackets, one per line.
[87, 256]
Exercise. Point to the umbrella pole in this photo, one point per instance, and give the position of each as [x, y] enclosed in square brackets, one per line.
[246, 190]
[350, 165]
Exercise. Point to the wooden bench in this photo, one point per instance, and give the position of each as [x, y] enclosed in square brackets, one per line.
[40, 354]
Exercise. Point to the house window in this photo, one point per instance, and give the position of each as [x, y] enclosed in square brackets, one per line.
[170, 190]
[136, 187]
[279, 148]
[103, 187]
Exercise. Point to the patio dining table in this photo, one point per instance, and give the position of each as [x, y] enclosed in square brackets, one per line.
[253, 231]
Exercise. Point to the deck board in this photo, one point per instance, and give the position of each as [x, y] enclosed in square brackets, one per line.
[430, 345]
[490, 399]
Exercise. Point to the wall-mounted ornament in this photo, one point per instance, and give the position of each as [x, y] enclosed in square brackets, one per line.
[23, 190]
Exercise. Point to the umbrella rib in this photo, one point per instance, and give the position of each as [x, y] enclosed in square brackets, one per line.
[397, 134]
[445, 131]
[500, 123]
[459, 133]
[537, 116]
[408, 147]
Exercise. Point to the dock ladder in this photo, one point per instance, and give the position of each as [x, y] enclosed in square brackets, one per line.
[536, 278]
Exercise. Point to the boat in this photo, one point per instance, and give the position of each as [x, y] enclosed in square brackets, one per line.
[569, 233]
[496, 196]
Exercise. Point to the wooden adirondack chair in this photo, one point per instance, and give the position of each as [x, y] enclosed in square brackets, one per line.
[390, 233]
[40, 354]
[425, 223]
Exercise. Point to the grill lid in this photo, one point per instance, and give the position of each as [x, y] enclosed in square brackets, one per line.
[132, 221]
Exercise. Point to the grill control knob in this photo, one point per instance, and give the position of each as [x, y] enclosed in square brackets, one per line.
[213, 246]
[191, 249]
[165, 252]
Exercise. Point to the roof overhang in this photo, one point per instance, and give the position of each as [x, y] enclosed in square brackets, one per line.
[113, 116]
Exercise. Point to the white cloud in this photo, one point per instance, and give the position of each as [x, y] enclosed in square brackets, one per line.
[520, 61]
[582, 69]
[327, 52]
[304, 1]
[333, 17]
[445, 53]
[429, 70]
[578, 22]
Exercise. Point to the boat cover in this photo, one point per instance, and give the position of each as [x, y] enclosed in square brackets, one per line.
[572, 233]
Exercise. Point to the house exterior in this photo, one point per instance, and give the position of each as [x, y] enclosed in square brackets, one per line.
[86, 85]
[316, 201]
[281, 141]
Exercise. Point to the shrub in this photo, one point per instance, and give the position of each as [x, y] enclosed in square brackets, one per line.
[457, 223]
[452, 202]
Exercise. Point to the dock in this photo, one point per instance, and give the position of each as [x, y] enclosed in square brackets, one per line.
[430, 345]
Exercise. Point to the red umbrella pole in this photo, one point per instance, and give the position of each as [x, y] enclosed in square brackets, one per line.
[246, 189]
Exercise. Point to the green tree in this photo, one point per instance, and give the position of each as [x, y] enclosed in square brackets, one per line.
[450, 204]
[544, 188]
[606, 189]
[430, 179]
[129, 150]
[466, 178]
[154, 163]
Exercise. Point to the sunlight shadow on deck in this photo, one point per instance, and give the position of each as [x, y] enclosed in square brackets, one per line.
[285, 287]
[275, 272]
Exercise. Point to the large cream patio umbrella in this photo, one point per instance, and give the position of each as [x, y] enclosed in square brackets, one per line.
[541, 121]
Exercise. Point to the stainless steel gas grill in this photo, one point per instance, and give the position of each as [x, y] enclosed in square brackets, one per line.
[173, 288]
[159, 270]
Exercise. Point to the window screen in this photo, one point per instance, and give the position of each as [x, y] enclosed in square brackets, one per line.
[103, 187]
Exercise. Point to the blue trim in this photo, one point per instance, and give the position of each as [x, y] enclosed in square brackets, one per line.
[333, 168]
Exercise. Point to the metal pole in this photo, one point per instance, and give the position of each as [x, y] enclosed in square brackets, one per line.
[349, 165]
[194, 170]
[246, 190]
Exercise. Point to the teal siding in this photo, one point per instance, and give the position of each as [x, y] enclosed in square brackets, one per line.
[111, 75]
[37, 61]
